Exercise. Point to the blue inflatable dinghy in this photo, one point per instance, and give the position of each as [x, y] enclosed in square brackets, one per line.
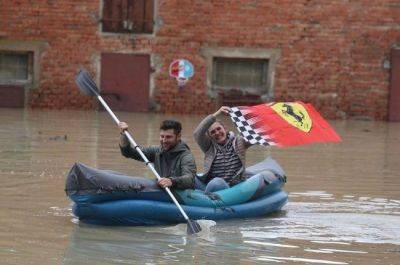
[107, 197]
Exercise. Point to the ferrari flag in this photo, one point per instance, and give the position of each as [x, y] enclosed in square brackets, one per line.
[282, 124]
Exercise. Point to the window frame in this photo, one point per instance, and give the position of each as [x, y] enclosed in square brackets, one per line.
[29, 78]
[249, 89]
[36, 47]
[271, 55]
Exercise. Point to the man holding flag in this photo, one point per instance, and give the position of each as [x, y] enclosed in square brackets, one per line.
[276, 123]
[225, 154]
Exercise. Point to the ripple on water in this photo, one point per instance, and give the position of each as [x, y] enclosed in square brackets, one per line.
[60, 211]
[317, 261]
[206, 232]
[352, 219]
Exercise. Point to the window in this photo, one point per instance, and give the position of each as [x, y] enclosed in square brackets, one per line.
[239, 81]
[128, 16]
[15, 67]
[240, 73]
[240, 76]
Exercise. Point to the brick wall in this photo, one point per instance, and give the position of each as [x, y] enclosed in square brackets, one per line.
[332, 52]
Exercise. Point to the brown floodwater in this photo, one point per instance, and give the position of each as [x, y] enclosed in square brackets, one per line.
[344, 199]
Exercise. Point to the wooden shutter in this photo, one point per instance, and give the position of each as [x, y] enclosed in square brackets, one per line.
[134, 16]
[112, 17]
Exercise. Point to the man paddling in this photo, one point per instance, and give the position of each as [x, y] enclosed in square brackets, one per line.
[172, 159]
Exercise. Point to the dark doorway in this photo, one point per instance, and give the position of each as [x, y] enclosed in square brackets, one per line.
[394, 92]
[12, 96]
[125, 81]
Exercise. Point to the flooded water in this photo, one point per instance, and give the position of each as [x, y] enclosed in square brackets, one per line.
[344, 199]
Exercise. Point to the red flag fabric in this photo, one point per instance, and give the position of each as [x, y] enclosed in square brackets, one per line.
[282, 124]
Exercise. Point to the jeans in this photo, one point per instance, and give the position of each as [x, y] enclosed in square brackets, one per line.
[215, 184]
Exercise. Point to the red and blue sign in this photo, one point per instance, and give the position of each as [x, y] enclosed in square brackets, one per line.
[181, 69]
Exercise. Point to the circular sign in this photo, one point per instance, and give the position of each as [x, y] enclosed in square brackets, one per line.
[181, 70]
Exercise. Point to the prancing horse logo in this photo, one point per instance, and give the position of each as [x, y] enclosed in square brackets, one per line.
[295, 114]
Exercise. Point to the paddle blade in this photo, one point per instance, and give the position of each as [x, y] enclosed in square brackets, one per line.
[193, 227]
[86, 83]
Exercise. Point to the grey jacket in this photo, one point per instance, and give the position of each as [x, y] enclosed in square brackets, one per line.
[209, 148]
[178, 164]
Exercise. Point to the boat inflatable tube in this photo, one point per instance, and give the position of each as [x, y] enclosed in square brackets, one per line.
[111, 198]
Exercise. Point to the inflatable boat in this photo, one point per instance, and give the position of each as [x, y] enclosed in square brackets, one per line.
[107, 197]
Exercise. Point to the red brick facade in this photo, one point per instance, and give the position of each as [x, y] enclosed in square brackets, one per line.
[331, 52]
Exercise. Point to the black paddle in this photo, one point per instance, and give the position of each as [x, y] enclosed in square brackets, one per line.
[89, 87]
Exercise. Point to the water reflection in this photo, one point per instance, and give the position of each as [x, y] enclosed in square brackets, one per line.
[142, 245]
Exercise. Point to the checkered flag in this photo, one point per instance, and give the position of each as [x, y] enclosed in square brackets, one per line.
[248, 127]
[282, 124]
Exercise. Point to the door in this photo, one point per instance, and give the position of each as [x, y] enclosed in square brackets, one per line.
[12, 96]
[394, 92]
[125, 81]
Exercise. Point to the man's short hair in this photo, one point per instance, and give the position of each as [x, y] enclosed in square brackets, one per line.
[171, 124]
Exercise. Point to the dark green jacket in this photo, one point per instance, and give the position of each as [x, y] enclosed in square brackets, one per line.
[178, 164]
